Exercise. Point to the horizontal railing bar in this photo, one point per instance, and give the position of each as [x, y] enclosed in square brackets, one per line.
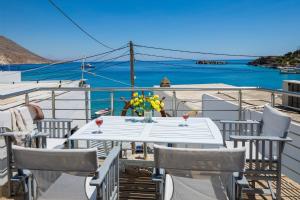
[124, 89]
[123, 109]
[114, 89]
[66, 109]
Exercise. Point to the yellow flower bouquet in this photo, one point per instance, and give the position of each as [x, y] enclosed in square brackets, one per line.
[142, 103]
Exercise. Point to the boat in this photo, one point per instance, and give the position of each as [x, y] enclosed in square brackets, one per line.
[87, 66]
[102, 112]
[289, 70]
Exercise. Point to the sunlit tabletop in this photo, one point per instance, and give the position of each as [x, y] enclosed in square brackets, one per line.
[161, 130]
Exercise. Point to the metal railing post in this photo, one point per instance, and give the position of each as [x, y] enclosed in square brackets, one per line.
[240, 104]
[272, 99]
[86, 99]
[26, 99]
[174, 104]
[53, 104]
[112, 100]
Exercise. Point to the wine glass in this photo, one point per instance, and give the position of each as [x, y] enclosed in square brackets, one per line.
[185, 117]
[99, 122]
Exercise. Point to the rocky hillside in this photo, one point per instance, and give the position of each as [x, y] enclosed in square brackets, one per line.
[291, 59]
[12, 53]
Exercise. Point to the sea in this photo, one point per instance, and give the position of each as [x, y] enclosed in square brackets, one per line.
[149, 73]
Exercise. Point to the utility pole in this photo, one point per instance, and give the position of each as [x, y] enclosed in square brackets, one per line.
[82, 69]
[131, 63]
[133, 147]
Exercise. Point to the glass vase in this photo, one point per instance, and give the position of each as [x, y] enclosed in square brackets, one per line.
[148, 116]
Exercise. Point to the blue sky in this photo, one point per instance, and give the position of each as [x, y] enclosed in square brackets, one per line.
[260, 27]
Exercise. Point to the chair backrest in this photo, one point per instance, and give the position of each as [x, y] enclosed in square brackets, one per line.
[211, 160]
[65, 160]
[275, 123]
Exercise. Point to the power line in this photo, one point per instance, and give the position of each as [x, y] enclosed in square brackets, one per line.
[117, 57]
[186, 65]
[115, 64]
[97, 59]
[77, 25]
[169, 57]
[196, 52]
[107, 78]
[182, 59]
[68, 61]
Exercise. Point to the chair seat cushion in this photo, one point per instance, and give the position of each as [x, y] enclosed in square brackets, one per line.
[56, 143]
[230, 144]
[68, 187]
[204, 188]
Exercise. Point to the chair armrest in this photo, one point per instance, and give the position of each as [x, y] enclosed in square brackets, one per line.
[40, 134]
[103, 171]
[240, 122]
[14, 133]
[272, 138]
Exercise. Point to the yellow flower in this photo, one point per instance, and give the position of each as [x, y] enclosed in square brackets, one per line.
[153, 104]
[156, 96]
[136, 99]
[135, 94]
[131, 101]
[141, 100]
[157, 102]
[162, 104]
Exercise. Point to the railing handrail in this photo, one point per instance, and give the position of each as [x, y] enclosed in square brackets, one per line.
[124, 89]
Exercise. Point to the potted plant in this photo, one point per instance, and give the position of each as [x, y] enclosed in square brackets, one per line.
[145, 105]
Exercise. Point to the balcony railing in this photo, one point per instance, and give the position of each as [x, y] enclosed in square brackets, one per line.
[111, 97]
[91, 99]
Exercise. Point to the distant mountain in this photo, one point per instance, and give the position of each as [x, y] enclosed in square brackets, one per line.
[291, 59]
[12, 53]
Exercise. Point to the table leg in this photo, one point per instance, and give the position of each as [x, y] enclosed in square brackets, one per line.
[133, 147]
[145, 151]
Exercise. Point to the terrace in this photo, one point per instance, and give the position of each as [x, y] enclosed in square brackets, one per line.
[216, 102]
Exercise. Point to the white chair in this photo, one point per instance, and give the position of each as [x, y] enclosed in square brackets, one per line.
[199, 173]
[67, 173]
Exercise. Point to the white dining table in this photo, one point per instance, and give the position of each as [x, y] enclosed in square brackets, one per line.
[199, 131]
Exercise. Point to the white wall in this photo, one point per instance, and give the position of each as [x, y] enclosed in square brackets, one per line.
[291, 153]
[10, 76]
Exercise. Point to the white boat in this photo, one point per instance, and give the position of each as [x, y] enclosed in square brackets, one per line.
[289, 70]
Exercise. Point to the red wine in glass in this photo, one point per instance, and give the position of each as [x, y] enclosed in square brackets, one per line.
[185, 117]
[99, 122]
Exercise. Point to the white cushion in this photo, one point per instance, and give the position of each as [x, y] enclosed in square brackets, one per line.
[65, 187]
[275, 123]
[230, 144]
[168, 190]
[203, 187]
[55, 143]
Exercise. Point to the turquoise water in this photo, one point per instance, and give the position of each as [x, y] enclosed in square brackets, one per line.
[150, 73]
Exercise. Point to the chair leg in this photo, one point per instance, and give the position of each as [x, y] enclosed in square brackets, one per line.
[278, 187]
